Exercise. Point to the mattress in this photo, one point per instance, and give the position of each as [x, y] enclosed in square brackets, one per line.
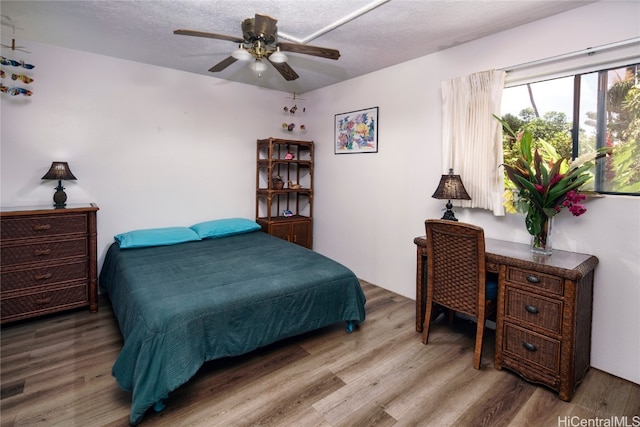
[181, 305]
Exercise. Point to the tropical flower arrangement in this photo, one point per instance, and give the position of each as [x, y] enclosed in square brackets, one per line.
[542, 184]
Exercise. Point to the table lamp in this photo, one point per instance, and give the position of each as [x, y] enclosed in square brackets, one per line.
[450, 188]
[59, 171]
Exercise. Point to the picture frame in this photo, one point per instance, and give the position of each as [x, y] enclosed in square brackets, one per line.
[356, 132]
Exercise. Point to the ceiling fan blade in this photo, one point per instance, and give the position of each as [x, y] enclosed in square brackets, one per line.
[223, 64]
[286, 71]
[266, 26]
[322, 52]
[209, 35]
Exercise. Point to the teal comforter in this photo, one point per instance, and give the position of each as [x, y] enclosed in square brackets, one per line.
[179, 306]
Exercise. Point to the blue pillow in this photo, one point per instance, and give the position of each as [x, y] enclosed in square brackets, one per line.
[224, 227]
[155, 237]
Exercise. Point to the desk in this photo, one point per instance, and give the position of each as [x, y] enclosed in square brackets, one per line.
[543, 319]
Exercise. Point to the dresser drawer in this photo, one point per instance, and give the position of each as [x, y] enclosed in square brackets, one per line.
[43, 302]
[535, 281]
[36, 277]
[532, 309]
[532, 347]
[43, 252]
[42, 226]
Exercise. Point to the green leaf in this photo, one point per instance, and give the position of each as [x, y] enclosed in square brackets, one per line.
[505, 125]
[535, 196]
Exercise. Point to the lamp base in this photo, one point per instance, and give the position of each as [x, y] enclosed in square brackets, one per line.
[59, 197]
[449, 212]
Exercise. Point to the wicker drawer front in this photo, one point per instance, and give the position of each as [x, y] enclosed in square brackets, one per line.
[535, 348]
[48, 301]
[532, 309]
[535, 281]
[42, 226]
[43, 252]
[26, 279]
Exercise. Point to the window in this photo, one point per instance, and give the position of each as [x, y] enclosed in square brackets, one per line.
[581, 113]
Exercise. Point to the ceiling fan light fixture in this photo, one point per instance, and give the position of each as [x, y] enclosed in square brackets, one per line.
[241, 54]
[259, 66]
[278, 57]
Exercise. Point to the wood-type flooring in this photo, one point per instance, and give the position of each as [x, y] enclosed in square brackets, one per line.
[56, 371]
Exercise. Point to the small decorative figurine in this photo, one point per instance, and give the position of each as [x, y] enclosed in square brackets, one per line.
[287, 213]
[289, 156]
[21, 77]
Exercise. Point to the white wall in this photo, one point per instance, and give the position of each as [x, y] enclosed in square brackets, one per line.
[152, 147]
[157, 147]
[369, 207]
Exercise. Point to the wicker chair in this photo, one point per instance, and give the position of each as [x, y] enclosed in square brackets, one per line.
[456, 276]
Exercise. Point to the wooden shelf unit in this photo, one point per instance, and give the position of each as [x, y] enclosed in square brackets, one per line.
[271, 203]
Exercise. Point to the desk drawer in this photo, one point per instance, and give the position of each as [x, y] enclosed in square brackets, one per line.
[46, 276]
[43, 252]
[42, 226]
[532, 347]
[532, 309]
[535, 281]
[44, 302]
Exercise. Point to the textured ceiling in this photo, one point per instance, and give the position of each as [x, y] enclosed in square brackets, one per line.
[394, 31]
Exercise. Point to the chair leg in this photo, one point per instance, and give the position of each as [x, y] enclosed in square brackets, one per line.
[427, 322]
[477, 354]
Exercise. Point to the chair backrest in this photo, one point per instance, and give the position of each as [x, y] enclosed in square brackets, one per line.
[456, 265]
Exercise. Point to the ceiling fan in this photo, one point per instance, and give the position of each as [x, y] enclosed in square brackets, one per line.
[260, 41]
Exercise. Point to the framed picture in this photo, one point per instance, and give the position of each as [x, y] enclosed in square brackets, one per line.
[356, 132]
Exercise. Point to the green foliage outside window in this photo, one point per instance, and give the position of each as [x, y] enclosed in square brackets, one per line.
[552, 131]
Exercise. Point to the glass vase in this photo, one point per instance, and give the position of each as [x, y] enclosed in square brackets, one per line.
[541, 242]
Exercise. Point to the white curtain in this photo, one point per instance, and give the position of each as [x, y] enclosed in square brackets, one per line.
[472, 137]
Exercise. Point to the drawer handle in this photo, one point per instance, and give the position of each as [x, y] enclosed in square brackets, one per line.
[41, 252]
[531, 309]
[529, 346]
[43, 301]
[533, 279]
[42, 227]
[43, 276]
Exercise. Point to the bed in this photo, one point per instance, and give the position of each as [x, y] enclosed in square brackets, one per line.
[180, 305]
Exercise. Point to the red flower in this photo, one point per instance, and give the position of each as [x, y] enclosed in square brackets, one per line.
[555, 179]
[577, 209]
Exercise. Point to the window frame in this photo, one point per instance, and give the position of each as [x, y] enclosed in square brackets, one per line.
[601, 115]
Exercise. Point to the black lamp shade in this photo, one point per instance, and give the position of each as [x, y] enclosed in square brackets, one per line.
[450, 188]
[59, 171]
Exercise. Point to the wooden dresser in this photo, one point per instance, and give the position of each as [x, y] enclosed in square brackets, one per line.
[543, 320]
[48, 260]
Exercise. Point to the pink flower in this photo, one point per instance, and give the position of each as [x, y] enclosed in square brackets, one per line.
[540, 188]
[577, 209]
[575, 197]
[555, 179]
